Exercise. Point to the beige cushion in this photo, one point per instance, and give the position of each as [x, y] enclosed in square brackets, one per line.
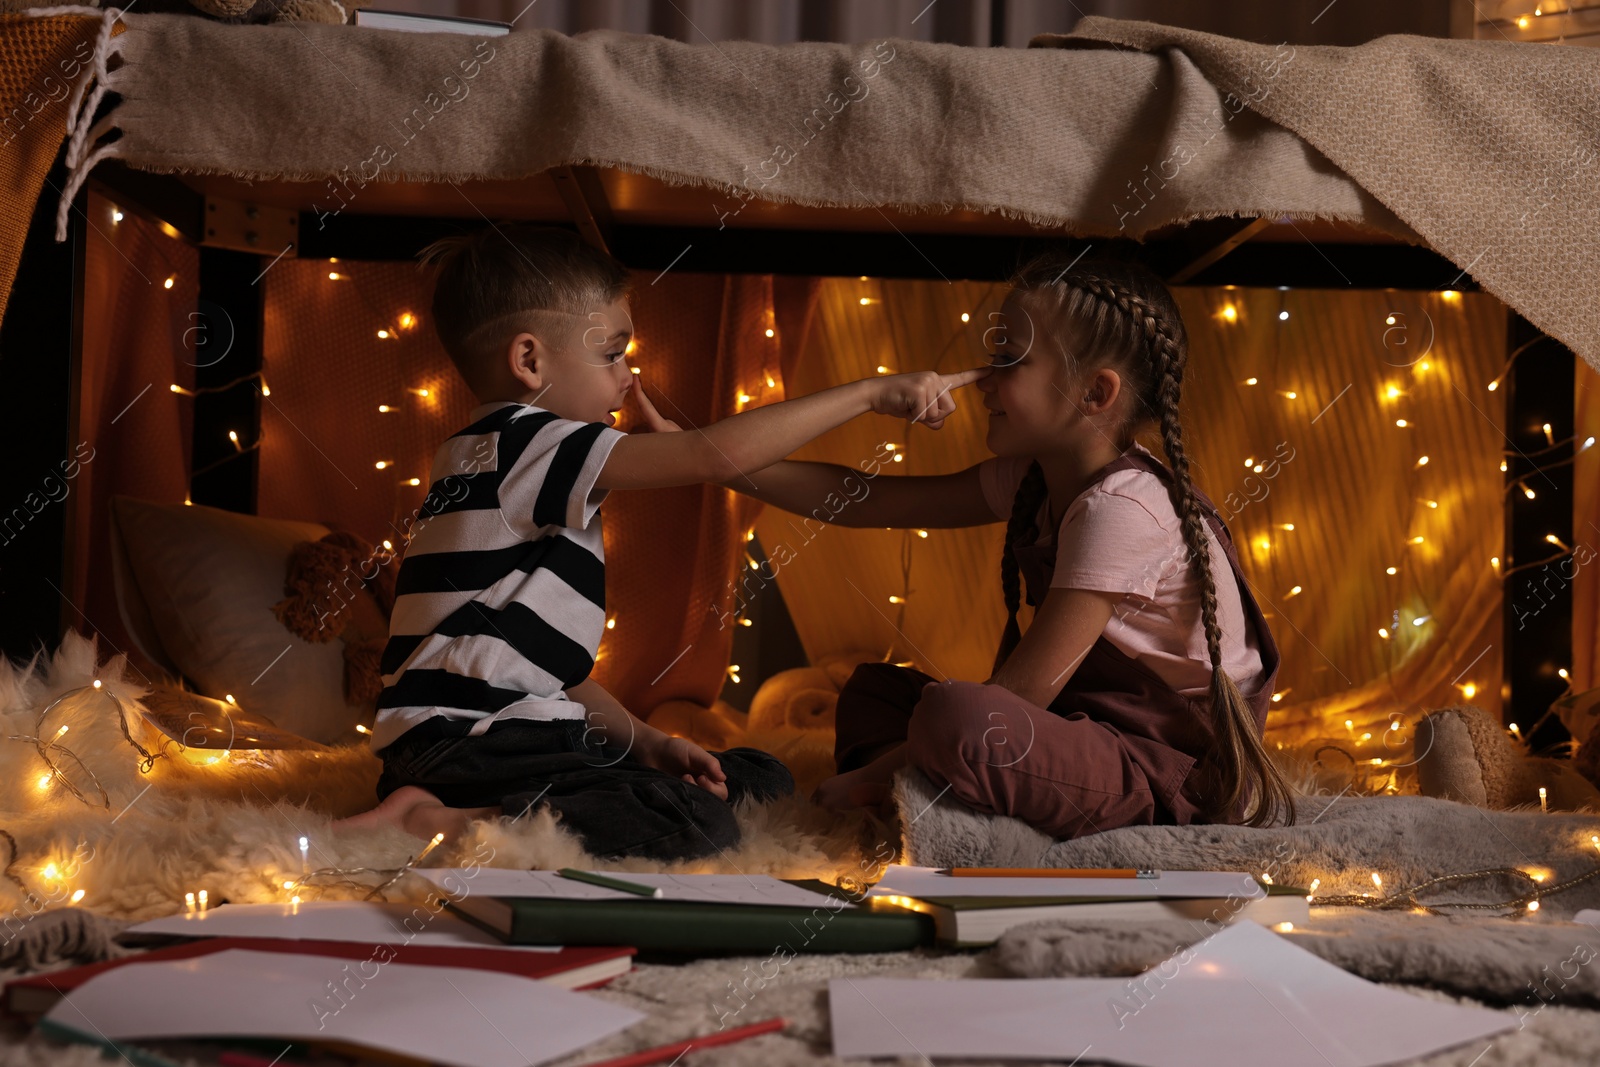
[196, 586]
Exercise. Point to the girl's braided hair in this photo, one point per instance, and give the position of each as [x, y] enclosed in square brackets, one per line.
[1123, 317]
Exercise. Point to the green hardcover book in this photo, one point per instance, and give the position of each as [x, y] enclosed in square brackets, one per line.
[839, 923]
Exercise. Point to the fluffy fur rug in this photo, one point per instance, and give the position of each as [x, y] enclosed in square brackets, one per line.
[1341, 840]
[232, 828]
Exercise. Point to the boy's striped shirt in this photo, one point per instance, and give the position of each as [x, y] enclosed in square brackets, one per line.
[500, 600]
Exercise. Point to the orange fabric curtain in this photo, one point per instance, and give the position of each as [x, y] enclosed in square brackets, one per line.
[1354, 491]
[134, 433]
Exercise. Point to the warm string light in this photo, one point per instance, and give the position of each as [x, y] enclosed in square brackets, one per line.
[48, 749]
[1408, 899]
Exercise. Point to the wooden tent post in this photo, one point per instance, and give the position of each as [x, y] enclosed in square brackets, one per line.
[41, 343]
[228, 354]
[1537, 596]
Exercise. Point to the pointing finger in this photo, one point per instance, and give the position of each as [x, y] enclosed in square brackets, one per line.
[965, 377]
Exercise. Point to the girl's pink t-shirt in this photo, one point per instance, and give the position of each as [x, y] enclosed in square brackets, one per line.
[1122, 535]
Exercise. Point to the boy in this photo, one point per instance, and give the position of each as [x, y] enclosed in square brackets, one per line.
[488, 708]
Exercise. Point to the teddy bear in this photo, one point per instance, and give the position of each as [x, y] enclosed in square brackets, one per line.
[1463, 754]
[791, 716]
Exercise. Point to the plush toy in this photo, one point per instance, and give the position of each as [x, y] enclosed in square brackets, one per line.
[342, 587]
[792, 715]
[1463, 754]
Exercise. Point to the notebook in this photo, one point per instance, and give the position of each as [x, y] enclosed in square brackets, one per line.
[971, 922]
[570, 968]
[825, 919]
[975, 911]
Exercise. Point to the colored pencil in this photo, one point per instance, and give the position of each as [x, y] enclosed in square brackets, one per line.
[1048, 872]
[606, 882]
[678, 1048]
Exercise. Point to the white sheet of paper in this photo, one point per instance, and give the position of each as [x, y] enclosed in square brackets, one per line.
[362, 921]
[1244, 995]
[698, 888]
[926, 881]
[450, 1015]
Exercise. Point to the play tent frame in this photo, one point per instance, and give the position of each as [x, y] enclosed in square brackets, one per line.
[239, 220]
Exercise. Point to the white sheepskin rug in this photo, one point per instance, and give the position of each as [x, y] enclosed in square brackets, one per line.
[232, 828]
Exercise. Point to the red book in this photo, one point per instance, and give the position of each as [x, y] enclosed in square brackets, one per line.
[570, 968]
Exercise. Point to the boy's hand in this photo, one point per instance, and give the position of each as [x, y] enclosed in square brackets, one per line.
[921, 396]
[653, 422]
[682, 758]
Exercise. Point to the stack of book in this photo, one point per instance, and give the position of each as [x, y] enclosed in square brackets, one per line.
[974, 906]
[353, 977]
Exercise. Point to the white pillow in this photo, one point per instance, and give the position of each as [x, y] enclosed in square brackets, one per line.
[196, 586]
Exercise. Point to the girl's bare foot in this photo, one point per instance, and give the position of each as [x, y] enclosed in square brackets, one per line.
[419, 813]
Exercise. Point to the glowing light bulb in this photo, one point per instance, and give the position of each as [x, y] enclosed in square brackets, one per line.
[1383, 632]
[44, 780]
[1285, 525]
[1469, 690]
[1527, 492]
[408, 320]
[770, 332]
[384, 409]
[383, 335]
[334, 276]
[388, 546]
[896, 600]
[413, 481]
[865, 301]
[1422, 461]
[899, 457]
[1251, 381]
[1283, 316]
[611, 623]
[922, 533]
[965, 317]
[1392, 392]
[116, 215]
[424, 393]
[180, 390]
[1563, 672]
[77, 896]
[1494, 385]
[1401, 423]
[1424, 365]
[1293, 592]
[882, 369]
[383, 464]
[1230, 313]
[171, 278]
[1391, 570]
[1420, 619]
[1389, 321]
[1377, 881]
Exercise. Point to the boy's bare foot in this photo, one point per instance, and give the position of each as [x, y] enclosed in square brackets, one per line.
[419, 813]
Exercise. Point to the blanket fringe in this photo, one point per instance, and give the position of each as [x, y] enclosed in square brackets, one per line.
[81, 110]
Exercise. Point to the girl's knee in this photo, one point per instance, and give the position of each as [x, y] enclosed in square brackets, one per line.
[952, 721]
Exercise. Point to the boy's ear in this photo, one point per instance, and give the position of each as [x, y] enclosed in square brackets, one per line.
[525, 358]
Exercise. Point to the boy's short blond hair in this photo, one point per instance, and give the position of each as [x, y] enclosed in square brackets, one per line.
[503, 280]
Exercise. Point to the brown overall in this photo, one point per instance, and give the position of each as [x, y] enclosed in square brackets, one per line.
[1115, 748]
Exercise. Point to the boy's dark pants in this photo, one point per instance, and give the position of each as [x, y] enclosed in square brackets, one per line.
[619, 807]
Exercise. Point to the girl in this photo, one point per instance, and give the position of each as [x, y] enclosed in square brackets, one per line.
[1139, 692]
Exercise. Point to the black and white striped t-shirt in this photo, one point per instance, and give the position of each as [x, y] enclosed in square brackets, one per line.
[500, 600]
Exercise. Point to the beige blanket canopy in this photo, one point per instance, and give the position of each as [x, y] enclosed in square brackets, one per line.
[1484, 151]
